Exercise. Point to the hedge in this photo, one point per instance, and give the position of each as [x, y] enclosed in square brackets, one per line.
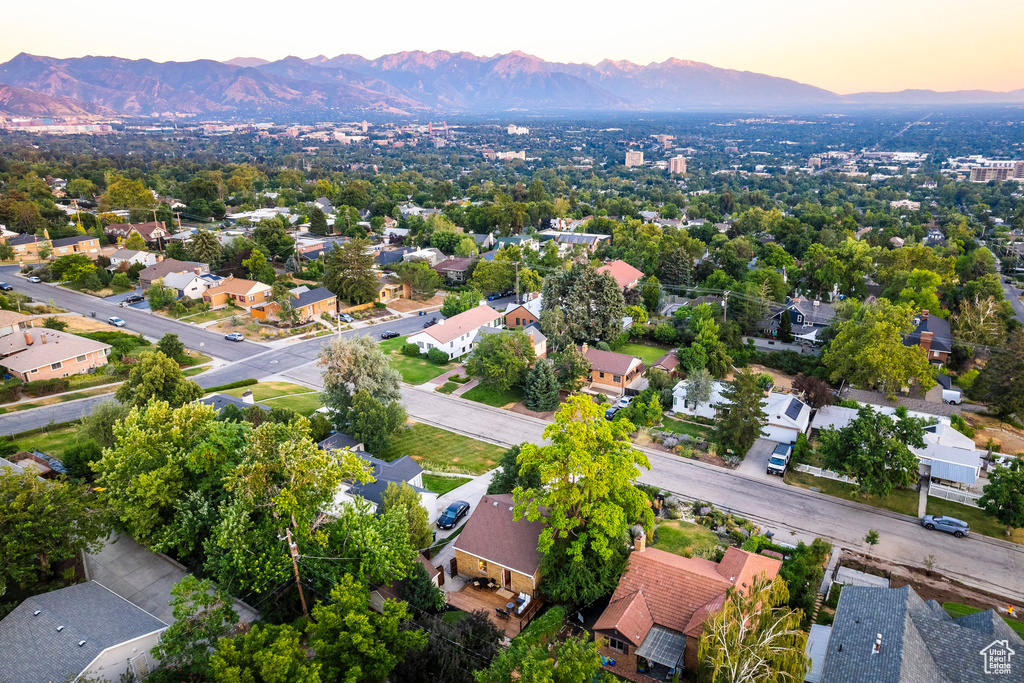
[233, 385]
[46, 387]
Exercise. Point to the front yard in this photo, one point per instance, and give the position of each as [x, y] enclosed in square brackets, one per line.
[980, 522]
[51, 441]
[441, 484]
[494, 397]
[903, 501]
[697, 431]
[443, 451]
[413, 370]
[302, 400]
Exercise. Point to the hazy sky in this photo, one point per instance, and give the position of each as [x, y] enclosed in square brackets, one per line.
[843, 46]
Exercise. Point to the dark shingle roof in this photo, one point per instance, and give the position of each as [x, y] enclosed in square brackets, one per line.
[942, 338]
[68, 241]
[339, 440]
[32, 649]
[23, 239]
[313, 296]
[920, 642]
[219, 401]
[400, 471]
[492, 535]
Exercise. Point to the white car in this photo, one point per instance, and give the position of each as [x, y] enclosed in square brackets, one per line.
[116, 322]
[624, 401]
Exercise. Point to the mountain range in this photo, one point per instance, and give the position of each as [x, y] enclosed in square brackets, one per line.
[409, 83]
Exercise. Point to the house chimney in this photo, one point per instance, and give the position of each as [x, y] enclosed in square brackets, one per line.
[28, 338]
[247, 398]
[924, 314]
[42, 337]
[198, 270]
[926, 340]
[583, 349]
[640, 543]
[878, 644]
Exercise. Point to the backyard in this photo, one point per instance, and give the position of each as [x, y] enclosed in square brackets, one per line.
[903, 501]
[648, 354]
[440, 484]
[442, 451]
[684, 538]
[49, 440]
[413, 370]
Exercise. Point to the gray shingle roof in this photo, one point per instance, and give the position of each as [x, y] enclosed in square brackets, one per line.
[400, 471]
[920, 643]
[312, 296]
[32, 649]
[942, 337]
[220, 401]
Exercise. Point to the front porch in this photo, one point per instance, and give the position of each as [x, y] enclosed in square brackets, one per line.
[471, 598]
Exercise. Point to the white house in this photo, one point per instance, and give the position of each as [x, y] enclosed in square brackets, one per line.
[78, 630]
[132, 257]
[787, 415]
[188, 284]
[456, 335]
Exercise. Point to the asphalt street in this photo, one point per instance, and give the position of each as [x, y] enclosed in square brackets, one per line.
[1012, 295]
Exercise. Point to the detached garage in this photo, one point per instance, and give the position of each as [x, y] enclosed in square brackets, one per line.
[788, 417]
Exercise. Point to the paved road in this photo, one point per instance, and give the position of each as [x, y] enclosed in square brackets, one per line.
[1012, 294]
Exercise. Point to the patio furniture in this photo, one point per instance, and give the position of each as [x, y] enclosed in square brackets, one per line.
[502, 614]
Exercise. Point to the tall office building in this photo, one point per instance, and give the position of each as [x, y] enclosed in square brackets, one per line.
[677, 164]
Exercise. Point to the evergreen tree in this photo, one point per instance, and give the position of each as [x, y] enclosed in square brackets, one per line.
[317, 222]
[741, 426]
[785, 328]
[420, 592]
[542, 388]
[593, 302]
[204, 248]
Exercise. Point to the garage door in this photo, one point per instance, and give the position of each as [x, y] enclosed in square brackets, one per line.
[780, 434]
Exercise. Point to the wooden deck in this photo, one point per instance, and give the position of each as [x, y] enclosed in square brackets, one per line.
[470, 599]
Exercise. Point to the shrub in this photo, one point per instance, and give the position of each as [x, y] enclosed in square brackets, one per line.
[437, 356]
[9, 390]
[378, 304]
[960, 424]
[121, 280]
[55, 323]
[78, 456]
[410, 350]
[233, 385]
[46, 387]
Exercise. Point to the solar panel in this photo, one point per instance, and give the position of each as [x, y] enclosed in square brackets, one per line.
[793, 411]
[662, 646]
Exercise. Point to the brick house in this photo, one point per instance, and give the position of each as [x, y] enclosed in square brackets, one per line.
[241, 292]
[494, 546]
[454, 269]
[611, 371]
[38, 353]
[79, 244]
[153, 231]
[526, 313]
[314, 302]
[27, 246]
[933, 335]
[12, 321]
[658, 609]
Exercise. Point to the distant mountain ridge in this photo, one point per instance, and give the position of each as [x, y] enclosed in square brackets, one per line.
[417, 82]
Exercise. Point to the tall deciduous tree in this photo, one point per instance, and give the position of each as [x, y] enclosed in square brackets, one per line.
[355, 643]
[1003, 495]
[43, 523]
[592, 302]
[1001, 382]
[587, 474]
[203, 615]
[875, 450]
[510, 475]
[501, 359]
[373, 423]
[754, 638]
[740, 427]
[350, 274]
[454, 650]
[407, 500]
[459, 302]
[356, 364]
[135, 242]
[868, 350]
[259, 267]
[266, 654]
[423, 280]
[157, 377]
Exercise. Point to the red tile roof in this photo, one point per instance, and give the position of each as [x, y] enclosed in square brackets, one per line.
[623, 273]
[667, 362]
[629, 615]
[454, 327]
[679, 592]
[492, 535]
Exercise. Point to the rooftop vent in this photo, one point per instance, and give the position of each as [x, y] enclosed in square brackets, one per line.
[60, 628]
[37, 612]
[878, 644]
[81, 643]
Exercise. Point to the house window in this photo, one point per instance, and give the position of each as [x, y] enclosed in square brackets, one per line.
[80, 359]
[34, 371]
[601, 375]
[617, 645]
[616, 379]
[799, 318]
[55, 366]
[483, 566]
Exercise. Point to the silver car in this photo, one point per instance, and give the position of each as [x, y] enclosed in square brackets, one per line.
[957, 527]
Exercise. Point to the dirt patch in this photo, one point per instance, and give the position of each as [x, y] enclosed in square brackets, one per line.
[81, 323]
[782, 380]
[520, 408]
[1009, 439]
[928, 584]
[410, 305]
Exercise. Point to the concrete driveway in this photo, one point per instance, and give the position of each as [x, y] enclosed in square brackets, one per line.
[756, 462]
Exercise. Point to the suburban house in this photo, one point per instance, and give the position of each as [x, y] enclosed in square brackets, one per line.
[312, 303]
[611, 372]
[161, 269]
[540, 342]
[153, 231]
[81, 629]
[493, 545]
[386, 257]
[79, 244]
[131, 257]
[27, 246]
[624, 274]
[787, 416]
[567, 240]
[239, 291]
[483, 242]
[188, 284]
[12, 321]
[221, 401]
[39, 353]
[389, 289]
[456, 335]
[526, 313]
[933, 335]
[657, 611]
[807, 318]
[521, 241]
[668, 363]
[948, 456]
[431, 256]
[891, 635]
[454, 269]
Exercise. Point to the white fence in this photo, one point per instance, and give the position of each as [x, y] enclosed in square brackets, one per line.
[955, 495]
[827, 474]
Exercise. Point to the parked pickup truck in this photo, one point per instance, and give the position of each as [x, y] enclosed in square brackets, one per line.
[779, 460]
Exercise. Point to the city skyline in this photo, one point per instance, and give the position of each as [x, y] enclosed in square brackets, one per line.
[874, 46]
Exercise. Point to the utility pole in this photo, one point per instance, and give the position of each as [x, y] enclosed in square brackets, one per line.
[725, 307]
[517, 282]
[295, 565]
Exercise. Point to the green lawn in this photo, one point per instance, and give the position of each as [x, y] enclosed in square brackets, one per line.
[265, 390]
[494, 397]
[413, 370]
[208, 316]
[440, 484]
[442, 451]
[191, 372]
[903, 501]
[679, 427]
[448, 387]
[648, 354]
[49, 441]
[684, 538]
[955, 609]
[303, 404]
[979, 521]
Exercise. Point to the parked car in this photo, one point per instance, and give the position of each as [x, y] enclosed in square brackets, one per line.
[34, 279]
[5, 287]
[957, 527]
[235, 336]
[430, 323]
[134, 299]
[610, 413]
[493, 297]
[779, 460]
[116, 322]
[389, 335]
[346, 318]
[624, 401]
[451, 516]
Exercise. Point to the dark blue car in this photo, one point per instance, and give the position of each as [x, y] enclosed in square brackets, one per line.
[451, 516]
